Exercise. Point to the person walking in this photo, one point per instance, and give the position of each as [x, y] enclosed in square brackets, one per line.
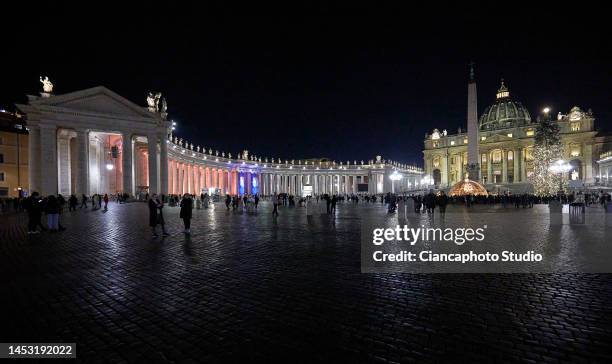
[256, 201]
[185, 213]
[83, 201]
[52, 209]
[106, 202]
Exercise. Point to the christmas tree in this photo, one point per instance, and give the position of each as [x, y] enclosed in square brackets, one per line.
[547, 149]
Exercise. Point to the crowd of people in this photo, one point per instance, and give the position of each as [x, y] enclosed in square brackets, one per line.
[53, 206]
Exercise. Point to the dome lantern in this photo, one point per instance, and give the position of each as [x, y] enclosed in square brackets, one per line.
[504, 113]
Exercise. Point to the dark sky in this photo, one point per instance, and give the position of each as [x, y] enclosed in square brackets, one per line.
[312, 83]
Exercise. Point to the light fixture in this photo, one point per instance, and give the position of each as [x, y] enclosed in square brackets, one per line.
[109, 166]
[395, 176]
[546, 110]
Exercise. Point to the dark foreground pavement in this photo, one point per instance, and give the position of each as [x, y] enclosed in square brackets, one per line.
[247, 287]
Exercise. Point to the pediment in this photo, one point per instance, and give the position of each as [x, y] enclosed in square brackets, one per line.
[98, 100]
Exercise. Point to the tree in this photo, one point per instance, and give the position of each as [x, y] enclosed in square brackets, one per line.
[547, 149]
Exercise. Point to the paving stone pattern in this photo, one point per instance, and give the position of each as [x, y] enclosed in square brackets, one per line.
[250, 288]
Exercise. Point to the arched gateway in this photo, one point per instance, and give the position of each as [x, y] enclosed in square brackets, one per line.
[95, 141]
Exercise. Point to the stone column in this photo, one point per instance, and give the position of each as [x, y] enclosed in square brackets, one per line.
[523, 165]
[163, 161]
[489, 168]
[63, 148]
[82, 162]
[126, 161]
[34, 159]
[504, 166]
[516, 159]
[48, 151]
[354, 184]
[152, 149]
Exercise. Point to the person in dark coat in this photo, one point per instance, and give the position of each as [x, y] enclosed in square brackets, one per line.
[153, 217]
[52, 209]
[442, 201]
[185, 214]
[34, 209]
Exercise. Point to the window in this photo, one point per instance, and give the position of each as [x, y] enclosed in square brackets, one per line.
[509, 135]
[575, 150]
[3, 191]
[436, 144]
[436, 161]
[484, 158]
[1, 176]
[483, 138]
[510, 155]
[496, 157]
[530, 132]
[465, 141]
[1, 140]
[575, 126]
[452, 142]
[1, 158]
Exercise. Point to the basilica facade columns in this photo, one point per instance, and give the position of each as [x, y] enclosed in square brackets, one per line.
[126, 161]
[152, 149]
[163, 157]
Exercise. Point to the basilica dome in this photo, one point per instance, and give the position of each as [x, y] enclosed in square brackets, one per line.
[504, 113]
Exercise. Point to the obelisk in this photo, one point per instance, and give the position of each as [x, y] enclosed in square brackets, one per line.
[473, 166]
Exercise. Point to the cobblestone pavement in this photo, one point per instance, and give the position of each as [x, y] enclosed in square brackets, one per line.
[247, 287]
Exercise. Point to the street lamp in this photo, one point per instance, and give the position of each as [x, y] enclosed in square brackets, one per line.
[395, 176]
[546, 110]
[560, 167]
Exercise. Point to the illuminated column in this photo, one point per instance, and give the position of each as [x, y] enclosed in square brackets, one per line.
[516, 158]
[504, 166]
[170, 177]
[489, 169]
[126, 161]
[163, 161]
[152, 148]
[48, 150]
[523, 166]
[191, 179]
[82, 165]
[181, 178]
[177, 182]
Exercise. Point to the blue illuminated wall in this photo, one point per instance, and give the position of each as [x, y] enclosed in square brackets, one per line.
[241, 185]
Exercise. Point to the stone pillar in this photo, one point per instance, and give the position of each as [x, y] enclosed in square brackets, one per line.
[588, 163]
[126, 161]
[489, 168]
[63, 149]
[354, 184]
[152, 149]
[523, 165]
[163, 161]
[504, 166]
[34, 159]
[82, 162]
[48, 167]
[516, 160]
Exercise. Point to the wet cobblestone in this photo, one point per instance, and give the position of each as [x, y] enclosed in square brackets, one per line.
[247, 287]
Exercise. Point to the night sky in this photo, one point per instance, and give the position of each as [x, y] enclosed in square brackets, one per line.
[310, 83]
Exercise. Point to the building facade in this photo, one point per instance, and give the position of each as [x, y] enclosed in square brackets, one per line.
[506, 137]
[95, 141]
[13, 155]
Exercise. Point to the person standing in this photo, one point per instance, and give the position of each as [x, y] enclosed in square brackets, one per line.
[52, 209]
[185, 214]
[34, 213]
[275, 203]
[106, 202]
[153, 217]
[72, 203]
[256, 201]
[160, 216]
[442, 202]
